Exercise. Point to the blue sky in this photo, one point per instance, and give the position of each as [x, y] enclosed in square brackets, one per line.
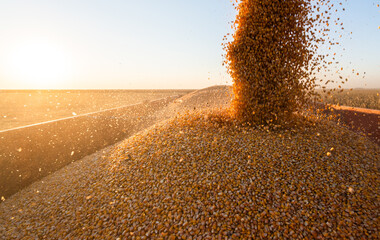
[91, 44]
[362, 47]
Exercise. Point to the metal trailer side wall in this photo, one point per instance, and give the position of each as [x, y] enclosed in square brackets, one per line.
[29, 153]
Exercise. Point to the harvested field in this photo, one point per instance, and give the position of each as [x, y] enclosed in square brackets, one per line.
[24, 107]
[203, 176]
[360, 98]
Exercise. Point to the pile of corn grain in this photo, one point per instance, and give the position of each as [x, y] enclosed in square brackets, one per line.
[204, 177]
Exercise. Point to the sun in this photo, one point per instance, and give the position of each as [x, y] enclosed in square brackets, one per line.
[39, 65]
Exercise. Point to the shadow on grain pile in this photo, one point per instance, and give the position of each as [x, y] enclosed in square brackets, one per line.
[203, 176]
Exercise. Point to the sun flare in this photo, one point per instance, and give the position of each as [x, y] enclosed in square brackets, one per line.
[39, 65]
